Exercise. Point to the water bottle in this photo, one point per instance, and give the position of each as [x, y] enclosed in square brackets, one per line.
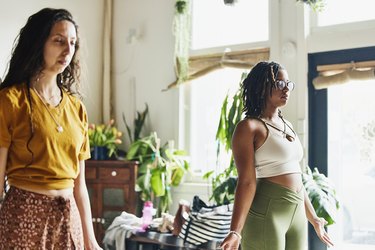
[147, 214]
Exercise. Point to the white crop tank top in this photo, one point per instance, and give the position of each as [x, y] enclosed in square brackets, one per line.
[278, 155]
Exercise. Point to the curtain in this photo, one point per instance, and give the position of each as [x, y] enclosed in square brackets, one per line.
[204, 64]
[331, 75]
[107, 92]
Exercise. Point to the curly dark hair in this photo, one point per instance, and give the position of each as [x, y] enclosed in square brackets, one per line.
[27, 54]
[257, 85]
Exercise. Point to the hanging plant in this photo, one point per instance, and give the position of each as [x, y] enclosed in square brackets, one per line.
[316, 5]
[182, 33]
[180, 6]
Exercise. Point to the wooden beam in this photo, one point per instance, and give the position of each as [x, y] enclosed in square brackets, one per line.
[344, 66]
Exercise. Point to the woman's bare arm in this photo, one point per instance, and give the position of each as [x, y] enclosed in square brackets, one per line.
[83, 203]
[243, 152]
[3, 163]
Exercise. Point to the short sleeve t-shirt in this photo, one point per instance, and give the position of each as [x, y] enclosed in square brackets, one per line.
[45, 158]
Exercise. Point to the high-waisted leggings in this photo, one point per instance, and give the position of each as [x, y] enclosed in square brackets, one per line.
[276, 220]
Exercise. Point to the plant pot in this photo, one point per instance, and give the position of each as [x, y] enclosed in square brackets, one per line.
[99, 153]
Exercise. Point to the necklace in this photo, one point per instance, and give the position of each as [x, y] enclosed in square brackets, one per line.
[59, 127]
[285, 134]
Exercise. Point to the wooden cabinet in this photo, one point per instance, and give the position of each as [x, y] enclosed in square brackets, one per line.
[111, 187]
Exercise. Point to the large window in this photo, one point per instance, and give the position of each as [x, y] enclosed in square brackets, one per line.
[351, 162]
[215, 24]
[346, 11]
[204, 97]
[342, 145]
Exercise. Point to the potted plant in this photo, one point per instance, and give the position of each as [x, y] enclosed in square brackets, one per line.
[160, 168]
[104, 140]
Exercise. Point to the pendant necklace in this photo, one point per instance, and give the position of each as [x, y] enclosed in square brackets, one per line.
[59, 127]
[285, 134]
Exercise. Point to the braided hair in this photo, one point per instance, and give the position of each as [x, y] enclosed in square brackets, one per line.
[257, 85]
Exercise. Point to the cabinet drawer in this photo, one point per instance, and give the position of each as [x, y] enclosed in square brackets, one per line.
[90, 173]
[114, 174]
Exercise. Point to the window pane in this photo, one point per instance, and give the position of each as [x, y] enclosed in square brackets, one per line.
[215, 24]
[206, 98]
[346, 11]
[351, 161]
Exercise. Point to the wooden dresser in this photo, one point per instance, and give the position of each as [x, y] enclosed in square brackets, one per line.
[111, 187]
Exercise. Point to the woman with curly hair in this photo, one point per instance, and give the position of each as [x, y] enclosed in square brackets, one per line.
[44, 140]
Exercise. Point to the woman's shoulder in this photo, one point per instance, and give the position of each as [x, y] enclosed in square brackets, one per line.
[250, 123]
[13, 90]
[12, 94]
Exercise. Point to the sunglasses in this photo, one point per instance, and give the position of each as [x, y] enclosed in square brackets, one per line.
[281, 84]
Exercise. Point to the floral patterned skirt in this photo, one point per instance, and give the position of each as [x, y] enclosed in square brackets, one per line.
[34, 221]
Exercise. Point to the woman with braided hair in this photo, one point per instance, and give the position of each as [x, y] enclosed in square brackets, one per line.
[271, 205]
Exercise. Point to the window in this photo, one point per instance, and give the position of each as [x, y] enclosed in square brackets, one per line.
[346, 11]
[341, 145]
[215, 24]
[351, 162]
[204, 97]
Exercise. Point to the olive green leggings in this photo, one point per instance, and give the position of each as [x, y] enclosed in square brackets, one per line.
[276, 220]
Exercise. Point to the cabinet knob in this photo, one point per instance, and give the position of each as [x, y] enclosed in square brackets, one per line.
[94, 220]
[102, 220]
[114, 173]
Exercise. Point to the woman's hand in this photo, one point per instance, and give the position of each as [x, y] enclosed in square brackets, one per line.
[318, 225]
[231, 242]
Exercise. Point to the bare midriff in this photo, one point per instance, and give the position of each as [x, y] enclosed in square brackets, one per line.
[291, 181]
[52, 193]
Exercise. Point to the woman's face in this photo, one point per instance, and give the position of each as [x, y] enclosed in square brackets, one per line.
[60, 47]
[280, 97]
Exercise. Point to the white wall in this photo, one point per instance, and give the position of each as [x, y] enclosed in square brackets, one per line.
[14, 15]
[145, 67]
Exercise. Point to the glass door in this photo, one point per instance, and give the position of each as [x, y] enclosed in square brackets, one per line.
[351, 162]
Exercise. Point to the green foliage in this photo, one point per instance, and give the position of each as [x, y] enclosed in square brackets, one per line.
[181, 6]
[160, 169]
[315, 5]
[322, 195]
[139, 122]
[182, 34]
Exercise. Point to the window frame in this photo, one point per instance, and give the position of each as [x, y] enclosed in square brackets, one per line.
[318, 115]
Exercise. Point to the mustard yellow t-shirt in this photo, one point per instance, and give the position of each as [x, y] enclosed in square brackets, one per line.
[51, 159]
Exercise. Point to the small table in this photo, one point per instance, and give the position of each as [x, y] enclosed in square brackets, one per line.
[164, 241]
